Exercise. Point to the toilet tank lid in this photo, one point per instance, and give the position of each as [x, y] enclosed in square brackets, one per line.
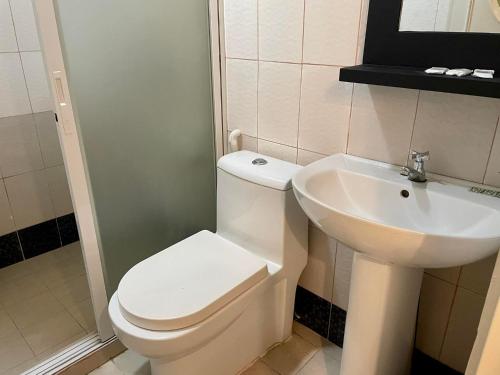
[259, 169]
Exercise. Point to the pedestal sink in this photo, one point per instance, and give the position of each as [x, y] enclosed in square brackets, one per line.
[398, 228]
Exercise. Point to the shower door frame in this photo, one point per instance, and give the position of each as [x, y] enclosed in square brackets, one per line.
[73, 154]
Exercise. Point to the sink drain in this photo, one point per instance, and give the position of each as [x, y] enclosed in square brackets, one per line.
[405, 193]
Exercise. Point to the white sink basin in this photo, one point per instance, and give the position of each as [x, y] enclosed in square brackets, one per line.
[360, 202]
[397, 228]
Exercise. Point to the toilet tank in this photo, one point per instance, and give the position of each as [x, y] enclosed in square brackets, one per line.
[257, 209]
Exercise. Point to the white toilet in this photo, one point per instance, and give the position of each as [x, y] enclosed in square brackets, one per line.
[213, 303]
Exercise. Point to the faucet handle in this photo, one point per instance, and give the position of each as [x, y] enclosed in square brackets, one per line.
[419, 156]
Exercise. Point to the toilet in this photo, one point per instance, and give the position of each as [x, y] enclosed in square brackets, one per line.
[215, 302]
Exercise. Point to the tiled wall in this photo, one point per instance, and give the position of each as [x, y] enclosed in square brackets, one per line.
[282, 88]
[33, 185]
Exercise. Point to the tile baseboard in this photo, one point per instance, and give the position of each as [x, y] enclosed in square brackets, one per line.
[328, 320]
[37, 239]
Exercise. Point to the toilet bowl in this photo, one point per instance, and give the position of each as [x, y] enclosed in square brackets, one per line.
[214, 302]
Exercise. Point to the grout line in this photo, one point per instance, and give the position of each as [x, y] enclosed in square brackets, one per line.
[449, 315]
[413, 126]
[284, 62]
[495, 135]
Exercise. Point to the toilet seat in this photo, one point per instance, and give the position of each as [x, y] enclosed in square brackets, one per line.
[187, 282]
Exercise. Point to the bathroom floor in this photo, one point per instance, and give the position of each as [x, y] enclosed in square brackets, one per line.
[45, 306]
[305, 353]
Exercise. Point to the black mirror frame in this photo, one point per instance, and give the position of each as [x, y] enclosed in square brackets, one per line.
[386, 45]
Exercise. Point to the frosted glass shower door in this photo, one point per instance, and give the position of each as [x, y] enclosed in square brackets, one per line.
[139, 78]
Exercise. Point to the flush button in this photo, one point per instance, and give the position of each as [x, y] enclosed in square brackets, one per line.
[259, 161]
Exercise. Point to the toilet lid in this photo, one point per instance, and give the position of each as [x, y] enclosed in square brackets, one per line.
[187, 282]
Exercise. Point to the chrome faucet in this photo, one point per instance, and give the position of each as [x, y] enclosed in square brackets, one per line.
[417, 173]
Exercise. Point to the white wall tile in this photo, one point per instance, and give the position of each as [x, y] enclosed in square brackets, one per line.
[317, 277]
[305, 157]
[436, 298]
[19, 147]
[59, 190]
[362, 31]
[331, 31]
[342, 280]
[24, 21]
[13, 93]
[381, 123]
[280, 30]
[279, 96]
[458, 131]
[29, 198]
[477, 276]
[36, 80]
[493, 171]
[325, 110]
[241, 84]
[240, 27]
[8, 41]
[49, 140]
[462, 329]
[278, 151]
[6, 219]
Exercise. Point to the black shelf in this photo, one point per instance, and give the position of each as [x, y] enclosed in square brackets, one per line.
[416, 78]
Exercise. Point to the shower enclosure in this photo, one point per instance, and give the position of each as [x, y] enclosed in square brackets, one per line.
[137, 94]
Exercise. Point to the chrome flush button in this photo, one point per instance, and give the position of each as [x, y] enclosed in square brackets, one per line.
[259, 161]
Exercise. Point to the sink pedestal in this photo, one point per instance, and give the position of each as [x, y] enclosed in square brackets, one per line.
[381, 318]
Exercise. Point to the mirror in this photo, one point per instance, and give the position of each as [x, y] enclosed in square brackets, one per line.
[450, 16]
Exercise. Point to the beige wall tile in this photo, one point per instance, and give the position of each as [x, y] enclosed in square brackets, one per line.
[331, 31]
[493, 170]
[19, 147]
[240, 24]
[13, 92]
[462, 329]
[317, 277]
[241, 83]
[277, 151]
[49, 140]
[305, 157]
[29, 198]
[325, 110]
[246, 142]
[59, 190]
[436, 298]
[6, 218]
[458, 131]
[24, 21]
[36, 79]
[280, 30]
[447, 274]
[382, 122]
[342, 279]
[477, 276]
[8, 41]
[291, 356]
[279, 95]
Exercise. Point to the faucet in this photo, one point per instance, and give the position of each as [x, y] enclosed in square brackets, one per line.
[417, 173]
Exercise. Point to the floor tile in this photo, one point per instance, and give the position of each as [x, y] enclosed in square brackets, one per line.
[130, 362]
[259, 368]
[13, 351]
[291, 356]
[325, 362]
[109, 368]
[51, 332]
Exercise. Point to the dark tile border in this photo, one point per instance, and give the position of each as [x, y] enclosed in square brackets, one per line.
[37, 239]
[316, 313]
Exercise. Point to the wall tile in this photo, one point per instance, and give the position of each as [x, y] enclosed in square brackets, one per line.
[279, 95]
[312, 311]
[240, 25]
[68, 229]
[19, 147]
[277, 151]
[331, 31]
[8, 41]
[477, 276]
[24, 21]
[436, 298]
[317, 277]
[458, 131]
[241, 83]
[36, 79]
[49, 140]
[10, 251]
[342, 279]
[493, 171]
[59, 190]
[246, 143]
[381, 123]
[305, 157]
[40, 238]
[325, 110]
[362, 31]
[6, 219]
[13, 93]
[462, 329]
[447, 274]
[29, 198]
[280, 30]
